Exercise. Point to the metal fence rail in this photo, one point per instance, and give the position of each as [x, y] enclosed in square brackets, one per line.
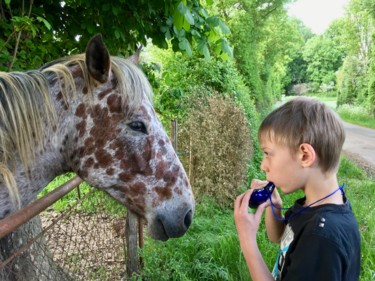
[13, 221]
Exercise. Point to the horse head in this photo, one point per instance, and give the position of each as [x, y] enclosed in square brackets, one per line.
[117, 143]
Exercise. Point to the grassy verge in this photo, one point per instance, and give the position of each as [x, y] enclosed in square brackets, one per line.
[353, 114]
[356, 115]
[210, 250]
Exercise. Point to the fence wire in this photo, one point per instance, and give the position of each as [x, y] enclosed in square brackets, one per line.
[73, 245]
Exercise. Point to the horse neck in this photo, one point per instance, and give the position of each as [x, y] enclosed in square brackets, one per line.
[45, 167]
[49, 162]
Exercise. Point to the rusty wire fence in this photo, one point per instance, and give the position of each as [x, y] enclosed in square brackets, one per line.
[70, 245]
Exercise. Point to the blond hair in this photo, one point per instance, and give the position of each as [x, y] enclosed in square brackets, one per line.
[306, 120]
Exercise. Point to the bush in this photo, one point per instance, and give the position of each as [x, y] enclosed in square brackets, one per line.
[217, 134]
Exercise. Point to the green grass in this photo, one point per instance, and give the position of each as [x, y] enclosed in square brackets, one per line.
[356, 115]
[210, 249]
[98, 201]
[330, 101]
[353, 114]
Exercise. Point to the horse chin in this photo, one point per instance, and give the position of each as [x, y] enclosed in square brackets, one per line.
[157, 231]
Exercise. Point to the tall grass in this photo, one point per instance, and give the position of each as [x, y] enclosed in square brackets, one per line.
[357, 115]
[210, 249]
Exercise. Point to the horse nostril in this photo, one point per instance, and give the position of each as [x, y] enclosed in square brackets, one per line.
[188, 218]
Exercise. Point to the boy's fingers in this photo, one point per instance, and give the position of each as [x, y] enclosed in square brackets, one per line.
[242, 201]
[259, 210]
[255, 183]
[237, 202]
[245, 199]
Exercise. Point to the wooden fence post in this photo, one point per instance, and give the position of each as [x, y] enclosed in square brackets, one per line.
[174, 130]
[131, 233]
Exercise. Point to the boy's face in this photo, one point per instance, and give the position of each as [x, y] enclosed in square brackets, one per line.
[282, 166]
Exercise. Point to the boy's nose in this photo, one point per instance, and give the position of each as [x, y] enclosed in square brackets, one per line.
[263, 166]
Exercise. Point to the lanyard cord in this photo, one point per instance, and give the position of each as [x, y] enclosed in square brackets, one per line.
[303, 209]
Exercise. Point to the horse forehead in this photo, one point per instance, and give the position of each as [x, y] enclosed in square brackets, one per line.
[146, 112]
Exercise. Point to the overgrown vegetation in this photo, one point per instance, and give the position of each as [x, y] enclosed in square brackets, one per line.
[210, 249]
[183, 86]
[217, 135]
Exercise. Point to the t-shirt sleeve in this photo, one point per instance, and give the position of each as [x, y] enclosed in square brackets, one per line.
[314, 258]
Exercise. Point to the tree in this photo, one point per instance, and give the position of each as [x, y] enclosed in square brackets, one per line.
[38, 31]
[264, 39]
[297, 68]
[324, 58]
[356, 79]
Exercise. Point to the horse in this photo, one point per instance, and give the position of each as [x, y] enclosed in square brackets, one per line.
[91, 114]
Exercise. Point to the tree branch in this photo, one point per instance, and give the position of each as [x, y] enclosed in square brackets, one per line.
[15, 51]
[19, 35]
[2, 15]
[30, 8]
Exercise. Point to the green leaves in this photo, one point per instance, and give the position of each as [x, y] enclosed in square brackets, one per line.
[186, 25]
[185, 11]
[193, 27]
[45, 22]
[27, 24]
[224, 49]
[185, 46]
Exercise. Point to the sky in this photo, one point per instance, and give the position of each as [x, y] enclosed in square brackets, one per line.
[318, 14]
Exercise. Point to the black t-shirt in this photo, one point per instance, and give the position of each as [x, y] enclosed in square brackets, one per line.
[320, 243]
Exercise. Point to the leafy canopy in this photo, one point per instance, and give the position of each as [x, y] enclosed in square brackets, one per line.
[41, 29]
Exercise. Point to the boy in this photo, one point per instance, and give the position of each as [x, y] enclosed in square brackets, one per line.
[319, 237]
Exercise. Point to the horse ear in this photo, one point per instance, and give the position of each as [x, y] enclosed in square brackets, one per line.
[135, 57]
[98, 60]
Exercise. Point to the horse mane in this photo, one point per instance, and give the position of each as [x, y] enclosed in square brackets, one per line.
[27, 111]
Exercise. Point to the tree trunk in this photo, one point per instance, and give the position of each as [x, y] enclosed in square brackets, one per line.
[33, 264]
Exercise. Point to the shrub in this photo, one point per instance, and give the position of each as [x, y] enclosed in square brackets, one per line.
[217, 134]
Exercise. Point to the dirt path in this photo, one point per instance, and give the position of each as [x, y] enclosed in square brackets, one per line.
[359, 146]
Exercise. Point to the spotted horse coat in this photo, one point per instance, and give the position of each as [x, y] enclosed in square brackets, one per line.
[106, 130]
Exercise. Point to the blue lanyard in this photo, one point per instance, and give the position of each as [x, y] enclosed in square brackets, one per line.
[303, 209]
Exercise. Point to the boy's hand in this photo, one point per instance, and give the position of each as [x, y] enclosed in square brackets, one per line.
[247, 224]
[276, 199]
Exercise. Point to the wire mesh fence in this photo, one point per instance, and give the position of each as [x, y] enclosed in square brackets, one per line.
[72, 245]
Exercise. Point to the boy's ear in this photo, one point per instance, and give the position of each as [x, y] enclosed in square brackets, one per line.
[307, 155]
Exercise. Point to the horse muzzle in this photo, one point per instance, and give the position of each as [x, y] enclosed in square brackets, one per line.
[171, 222]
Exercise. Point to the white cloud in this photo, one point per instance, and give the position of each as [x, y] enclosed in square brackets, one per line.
[318, 14]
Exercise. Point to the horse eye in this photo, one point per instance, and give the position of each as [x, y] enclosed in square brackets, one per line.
[138, 126]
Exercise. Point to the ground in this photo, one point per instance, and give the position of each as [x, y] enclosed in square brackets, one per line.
[90, 246]
[368, 167]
